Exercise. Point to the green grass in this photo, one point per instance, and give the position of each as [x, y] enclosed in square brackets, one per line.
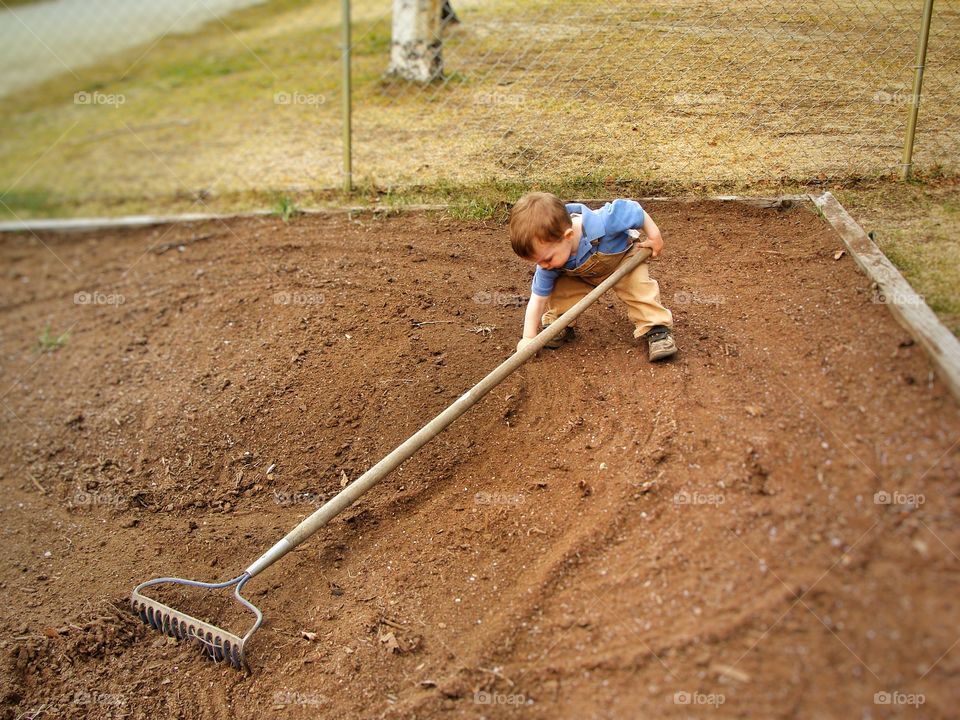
[15, 3]
[29, 203]
[199, 115]
[285, 208]
[49, 343]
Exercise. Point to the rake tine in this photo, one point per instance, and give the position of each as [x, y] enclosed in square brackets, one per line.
[216, 643]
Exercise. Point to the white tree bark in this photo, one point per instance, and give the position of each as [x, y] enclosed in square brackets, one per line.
[416, 49]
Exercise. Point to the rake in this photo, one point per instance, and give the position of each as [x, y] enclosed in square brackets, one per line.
[223, 646]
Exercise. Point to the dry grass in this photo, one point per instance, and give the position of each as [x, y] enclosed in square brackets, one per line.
[691, 95]
[588, 99]
[918, 228]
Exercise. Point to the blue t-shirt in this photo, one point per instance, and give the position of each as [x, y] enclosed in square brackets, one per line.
[610, 223]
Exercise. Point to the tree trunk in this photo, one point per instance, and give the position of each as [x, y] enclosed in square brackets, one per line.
[416, 50]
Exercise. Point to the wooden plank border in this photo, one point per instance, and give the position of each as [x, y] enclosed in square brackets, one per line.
[135, 221]
[909, 308]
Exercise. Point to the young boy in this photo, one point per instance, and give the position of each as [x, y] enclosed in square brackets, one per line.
[575, 249]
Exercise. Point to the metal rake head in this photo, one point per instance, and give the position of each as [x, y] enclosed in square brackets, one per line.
[216, 643]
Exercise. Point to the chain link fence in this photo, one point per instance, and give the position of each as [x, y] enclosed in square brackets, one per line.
[111, 100]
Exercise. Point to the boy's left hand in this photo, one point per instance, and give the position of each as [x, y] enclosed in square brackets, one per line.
[655, 244]
[654, 240]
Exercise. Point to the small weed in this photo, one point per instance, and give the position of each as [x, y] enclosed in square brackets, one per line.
[285, 208]
[48, 343]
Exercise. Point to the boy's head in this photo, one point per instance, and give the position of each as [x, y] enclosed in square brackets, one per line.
[541, 229]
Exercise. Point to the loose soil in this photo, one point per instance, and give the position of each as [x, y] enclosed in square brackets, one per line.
[598, 538]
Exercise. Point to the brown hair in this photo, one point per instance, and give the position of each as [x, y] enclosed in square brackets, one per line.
[537, 216]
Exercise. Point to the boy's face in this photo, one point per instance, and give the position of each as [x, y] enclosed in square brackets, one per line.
[553, 255]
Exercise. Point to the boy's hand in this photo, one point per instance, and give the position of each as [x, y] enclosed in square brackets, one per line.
[523, 343]
[654, 243]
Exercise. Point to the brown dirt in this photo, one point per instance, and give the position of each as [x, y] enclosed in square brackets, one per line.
[540, 551]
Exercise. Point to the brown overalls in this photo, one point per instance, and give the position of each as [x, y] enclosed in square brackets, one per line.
[640, 294]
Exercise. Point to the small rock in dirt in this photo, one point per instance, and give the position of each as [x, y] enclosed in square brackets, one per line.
[730, 672]
[311, 636]
[391, 644]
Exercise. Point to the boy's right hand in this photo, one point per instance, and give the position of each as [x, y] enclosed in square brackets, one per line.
[523, 343]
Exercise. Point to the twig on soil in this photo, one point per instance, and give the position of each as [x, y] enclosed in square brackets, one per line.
[33, 714]
[485, 329]
[41, 488]
[121, 615]
[391, 623]
[161, 249]
[421, 323]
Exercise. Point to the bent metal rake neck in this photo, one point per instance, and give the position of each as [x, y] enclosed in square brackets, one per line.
[223, 646]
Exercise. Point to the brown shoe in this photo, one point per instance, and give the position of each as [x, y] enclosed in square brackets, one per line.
[565, 336]
[661, 343]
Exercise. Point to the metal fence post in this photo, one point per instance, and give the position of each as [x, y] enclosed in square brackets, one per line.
[347, 100]
[917, 84]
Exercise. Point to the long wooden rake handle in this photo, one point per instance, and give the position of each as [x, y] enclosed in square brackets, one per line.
[349, 495]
